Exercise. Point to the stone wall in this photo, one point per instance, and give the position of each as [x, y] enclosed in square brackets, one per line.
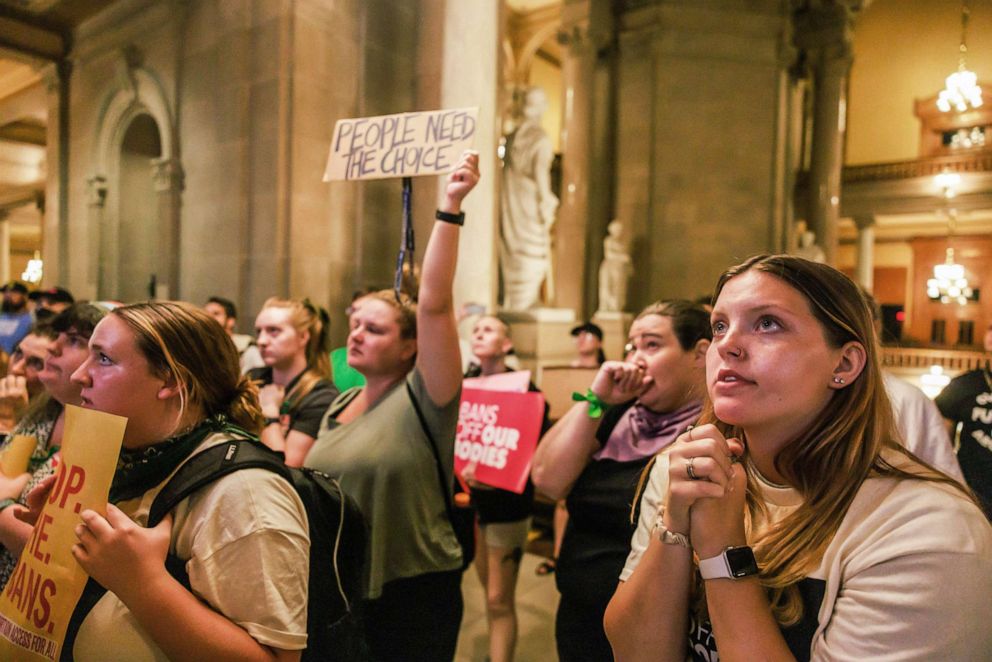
[699, 89]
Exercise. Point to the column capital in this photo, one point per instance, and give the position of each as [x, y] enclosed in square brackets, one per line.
[826, 29]
[96, 191]
[864, 221]
[168, 175]
[586, 25]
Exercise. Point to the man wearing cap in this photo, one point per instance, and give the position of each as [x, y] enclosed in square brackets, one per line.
[589, 345]
[15, 319]
[50, 302]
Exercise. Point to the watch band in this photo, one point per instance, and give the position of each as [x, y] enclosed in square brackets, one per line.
[448, 217]
[271, 421]
[661, 532]
[732, 563]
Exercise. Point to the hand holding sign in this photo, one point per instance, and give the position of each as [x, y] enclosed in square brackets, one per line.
[123, 557]
[461, 181]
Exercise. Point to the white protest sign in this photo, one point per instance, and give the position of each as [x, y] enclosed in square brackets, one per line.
[401, 145]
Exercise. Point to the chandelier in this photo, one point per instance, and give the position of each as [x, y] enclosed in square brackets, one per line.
[962, 91]
[949, 283]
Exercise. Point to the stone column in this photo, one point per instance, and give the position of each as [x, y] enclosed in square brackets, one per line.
[825, 32]
[865, 268]
[470, 77]
[55, 229]
[4, 246]
[167, 175]
[583, 214]
[96, 198]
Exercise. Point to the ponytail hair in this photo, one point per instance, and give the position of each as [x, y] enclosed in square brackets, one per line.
[183, 342]
[306, 316]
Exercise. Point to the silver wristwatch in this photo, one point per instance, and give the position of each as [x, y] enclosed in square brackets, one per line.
[732, 563]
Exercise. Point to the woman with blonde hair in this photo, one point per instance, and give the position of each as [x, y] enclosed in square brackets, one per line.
[295, 384]
[790, 524]
[243, 539]
[391, 443]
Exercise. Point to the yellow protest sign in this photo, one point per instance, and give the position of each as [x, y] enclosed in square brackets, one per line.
[15, 458]
[401, 145]
[39, 599]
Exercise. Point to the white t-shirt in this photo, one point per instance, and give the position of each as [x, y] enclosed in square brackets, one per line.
[247, 543]
[922, 427]
[908, 575]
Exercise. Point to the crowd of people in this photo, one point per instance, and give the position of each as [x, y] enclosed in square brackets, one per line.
[738, 484]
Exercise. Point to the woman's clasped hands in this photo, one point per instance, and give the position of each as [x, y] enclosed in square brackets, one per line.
[706, 489]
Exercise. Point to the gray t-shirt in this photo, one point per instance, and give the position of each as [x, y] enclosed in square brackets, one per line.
[384, 461]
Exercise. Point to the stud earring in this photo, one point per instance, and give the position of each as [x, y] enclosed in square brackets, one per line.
[838, 380]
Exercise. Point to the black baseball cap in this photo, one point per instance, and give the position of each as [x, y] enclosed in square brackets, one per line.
[590, 328]
[53, 294]
[14, 286]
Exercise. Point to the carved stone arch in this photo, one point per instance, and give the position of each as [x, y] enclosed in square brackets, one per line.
[531, 47]
[133, 92]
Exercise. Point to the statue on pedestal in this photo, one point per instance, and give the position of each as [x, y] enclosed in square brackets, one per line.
[614, 271]
[808, 248]
[528, 207]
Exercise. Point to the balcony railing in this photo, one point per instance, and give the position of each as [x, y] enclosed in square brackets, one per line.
[914, 359]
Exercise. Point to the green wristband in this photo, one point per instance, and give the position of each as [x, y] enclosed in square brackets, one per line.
[6, 503]
[596, 406]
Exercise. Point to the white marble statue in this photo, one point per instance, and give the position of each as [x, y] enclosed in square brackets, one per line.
[808, 248]
[528, 208]
[614, 271]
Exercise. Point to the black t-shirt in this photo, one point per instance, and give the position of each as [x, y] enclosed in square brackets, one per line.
[303, 415]
[495, 505]
[968, 400]
[597, 538]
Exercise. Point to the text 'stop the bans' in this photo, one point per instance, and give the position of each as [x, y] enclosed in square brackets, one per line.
[401, 145]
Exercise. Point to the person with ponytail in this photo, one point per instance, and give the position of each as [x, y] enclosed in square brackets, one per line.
[392, 443]
[173, 372]
[790, 523]
[295, 384]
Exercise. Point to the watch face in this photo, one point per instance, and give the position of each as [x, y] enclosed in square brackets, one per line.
[741, 561]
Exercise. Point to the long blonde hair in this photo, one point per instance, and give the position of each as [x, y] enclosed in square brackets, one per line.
[185, 343]
[840, 448]
[306, 316]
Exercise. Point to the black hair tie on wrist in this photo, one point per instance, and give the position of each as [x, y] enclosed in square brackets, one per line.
[447, 217]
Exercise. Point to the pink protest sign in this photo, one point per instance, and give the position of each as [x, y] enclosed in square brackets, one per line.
[518, 381]
[498, 432]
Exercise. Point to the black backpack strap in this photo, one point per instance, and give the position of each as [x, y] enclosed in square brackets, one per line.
[445, 490]
[211, 465]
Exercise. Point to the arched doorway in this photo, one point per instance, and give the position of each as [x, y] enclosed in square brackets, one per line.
[137, 217]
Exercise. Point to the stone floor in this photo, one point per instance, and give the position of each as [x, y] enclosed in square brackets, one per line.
[537, 601]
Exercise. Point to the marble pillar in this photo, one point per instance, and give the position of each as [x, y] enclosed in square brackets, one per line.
[825, 32]
[470, 77]
[167, 175]
[4, 246]
[55, 253]
[96, 200]
[584, 211]
[865, 267]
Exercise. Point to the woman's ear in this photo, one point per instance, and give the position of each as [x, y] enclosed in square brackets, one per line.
[409, 349]
[170, 387]
[699, 351]
[852, 360]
